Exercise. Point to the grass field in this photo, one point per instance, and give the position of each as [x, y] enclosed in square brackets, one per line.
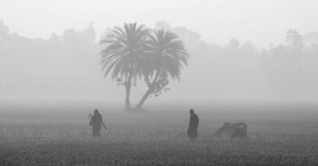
[59, 134]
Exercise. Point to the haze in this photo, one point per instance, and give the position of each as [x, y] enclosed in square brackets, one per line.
[45, 73]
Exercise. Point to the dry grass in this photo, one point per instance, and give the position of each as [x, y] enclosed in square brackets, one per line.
[63, 137]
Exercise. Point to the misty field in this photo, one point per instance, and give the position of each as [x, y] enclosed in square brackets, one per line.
[59, 134]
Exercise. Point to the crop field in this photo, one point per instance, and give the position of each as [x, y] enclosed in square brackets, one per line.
[59, 134]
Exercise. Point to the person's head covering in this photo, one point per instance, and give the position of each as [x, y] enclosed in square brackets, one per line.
[96, 111]
[191, 111]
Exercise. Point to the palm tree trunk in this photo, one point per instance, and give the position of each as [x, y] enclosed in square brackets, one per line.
[149, 91]
[128, 86]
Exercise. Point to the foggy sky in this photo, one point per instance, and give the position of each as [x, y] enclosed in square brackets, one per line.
[217, 21]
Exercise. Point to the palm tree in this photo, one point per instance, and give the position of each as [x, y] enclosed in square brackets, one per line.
[125, 54]
[168, 55]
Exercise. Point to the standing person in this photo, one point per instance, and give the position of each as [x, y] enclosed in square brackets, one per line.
[96, 122]
[193, 125]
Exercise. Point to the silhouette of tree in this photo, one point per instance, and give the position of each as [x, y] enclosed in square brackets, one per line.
[162, 25]
[248, 51]
[55, 42]
[232, 49]
[311, 41]
[188, 37]
[295, 46]
[294, 41]
[105, 32]
[265, 62]
[168, 55]
[125, 55]
[90, 33]
[4, 30]
[286, 68]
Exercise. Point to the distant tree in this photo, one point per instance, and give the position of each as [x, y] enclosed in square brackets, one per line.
[90, 33]
[125, 54]
[20, 45]
[70, 39]
[310, 41]
[265, 62]
[105, 32]
[280, 64]
[4, 31]
[281, 57]
[188, 37]
[234, 44]
[295, 46]
[55, 41]
[168, 57]
[248, 50]
[232, 49]
[162, 25]
[294, 41]
[285, 68]
[3, 28]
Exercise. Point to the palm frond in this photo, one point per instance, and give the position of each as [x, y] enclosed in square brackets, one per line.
[110, 67]
[127, 51]
[169, 54]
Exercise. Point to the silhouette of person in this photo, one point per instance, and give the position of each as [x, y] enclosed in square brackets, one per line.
[96, 122]
[193, 126]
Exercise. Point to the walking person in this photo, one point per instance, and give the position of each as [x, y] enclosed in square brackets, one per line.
[96, 122]
[193, 126]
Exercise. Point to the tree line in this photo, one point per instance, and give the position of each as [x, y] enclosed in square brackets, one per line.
[286, 69]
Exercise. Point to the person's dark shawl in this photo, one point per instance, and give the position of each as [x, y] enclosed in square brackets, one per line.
[193, 126]
[96, 122]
